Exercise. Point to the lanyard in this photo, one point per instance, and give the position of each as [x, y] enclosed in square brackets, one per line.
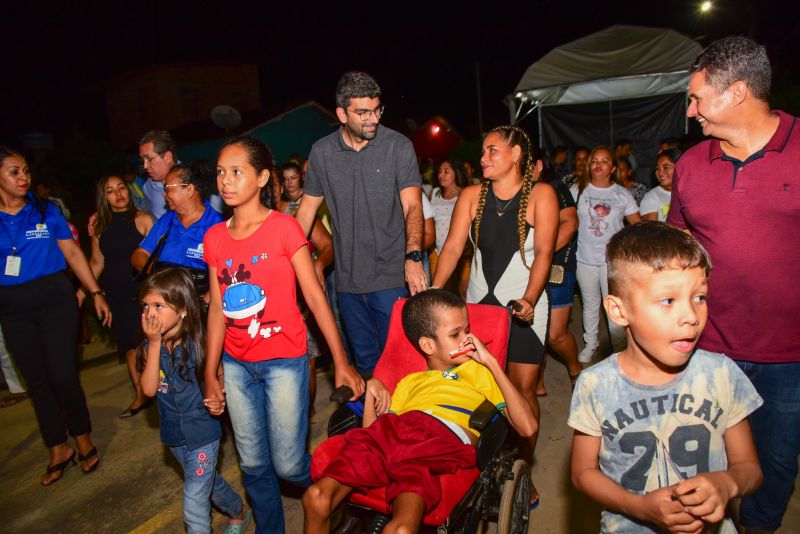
[14, 238]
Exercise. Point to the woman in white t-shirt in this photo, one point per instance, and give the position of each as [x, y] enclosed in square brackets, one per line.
[655, 204]
[602, 205]
[452, 179]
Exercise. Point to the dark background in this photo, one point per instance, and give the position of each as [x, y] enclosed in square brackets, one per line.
[429, 58]
[425, 56]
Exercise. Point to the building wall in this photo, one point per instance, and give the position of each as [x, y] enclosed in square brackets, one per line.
[168, 96]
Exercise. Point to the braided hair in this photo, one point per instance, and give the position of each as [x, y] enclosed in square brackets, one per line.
[514, 135]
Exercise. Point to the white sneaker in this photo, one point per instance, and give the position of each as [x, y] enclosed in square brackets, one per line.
[587, 353]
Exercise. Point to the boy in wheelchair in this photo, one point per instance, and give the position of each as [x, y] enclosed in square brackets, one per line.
[423, 429]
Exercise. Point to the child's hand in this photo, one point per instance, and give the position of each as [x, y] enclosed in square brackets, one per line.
[214, 400]
[151, 326]
[383, 399]
[346, 375]
[661, 508]
[479, 351]
[706, 496]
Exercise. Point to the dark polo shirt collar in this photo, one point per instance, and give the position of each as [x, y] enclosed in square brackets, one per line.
[341, 146]
[776, 143]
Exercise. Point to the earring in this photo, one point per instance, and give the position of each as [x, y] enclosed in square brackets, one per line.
[183, 316]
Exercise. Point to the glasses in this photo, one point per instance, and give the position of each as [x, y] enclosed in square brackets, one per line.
[167, 187]
[364, 114]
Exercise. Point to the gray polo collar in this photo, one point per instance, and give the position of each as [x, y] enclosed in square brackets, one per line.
[341, 146]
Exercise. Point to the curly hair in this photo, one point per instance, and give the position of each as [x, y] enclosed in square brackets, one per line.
[355, 84]
[514, 136]
[200, 174]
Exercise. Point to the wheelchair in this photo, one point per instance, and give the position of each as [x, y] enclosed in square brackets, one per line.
[497, 489]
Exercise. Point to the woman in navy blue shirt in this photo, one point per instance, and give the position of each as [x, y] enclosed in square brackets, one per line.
[39, 313]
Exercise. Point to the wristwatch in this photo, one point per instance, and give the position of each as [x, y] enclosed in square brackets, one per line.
[414, 255]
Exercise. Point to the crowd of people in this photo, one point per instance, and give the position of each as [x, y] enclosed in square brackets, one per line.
[223, 282]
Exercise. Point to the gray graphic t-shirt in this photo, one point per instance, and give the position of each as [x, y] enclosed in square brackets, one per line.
[656, 436]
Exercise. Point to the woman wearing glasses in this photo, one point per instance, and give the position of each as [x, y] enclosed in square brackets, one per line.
[184, 225]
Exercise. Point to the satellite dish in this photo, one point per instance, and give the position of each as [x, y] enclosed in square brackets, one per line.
[226, 117]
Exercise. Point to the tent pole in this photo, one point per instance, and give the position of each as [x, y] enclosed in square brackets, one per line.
[541, 133]
[512, 110]
[610, 124]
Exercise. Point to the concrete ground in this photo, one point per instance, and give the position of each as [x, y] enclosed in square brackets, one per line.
[138, 486]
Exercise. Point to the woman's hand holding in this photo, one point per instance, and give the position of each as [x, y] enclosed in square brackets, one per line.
[524, 311]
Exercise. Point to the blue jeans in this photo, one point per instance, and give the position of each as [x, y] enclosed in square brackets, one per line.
[268, 405]
[202, 485]
[333, 301]
[776, 431]
[366, 319]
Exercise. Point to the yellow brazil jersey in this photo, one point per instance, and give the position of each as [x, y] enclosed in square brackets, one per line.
[450, 395]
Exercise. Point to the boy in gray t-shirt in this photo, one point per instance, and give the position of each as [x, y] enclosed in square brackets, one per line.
[661, 432]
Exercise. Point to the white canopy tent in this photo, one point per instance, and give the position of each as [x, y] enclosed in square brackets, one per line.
[620, 63]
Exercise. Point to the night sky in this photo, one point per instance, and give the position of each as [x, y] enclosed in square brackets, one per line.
[424, 55]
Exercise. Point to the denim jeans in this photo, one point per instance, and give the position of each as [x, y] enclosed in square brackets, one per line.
[202, 485]
[776, 431]
[268, 405]
[333, 301]
[366, 319]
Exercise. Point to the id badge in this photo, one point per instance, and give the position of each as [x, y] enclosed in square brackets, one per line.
[13, 264]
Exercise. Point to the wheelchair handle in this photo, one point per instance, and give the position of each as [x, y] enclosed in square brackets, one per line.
[513, 305]
[341, 394]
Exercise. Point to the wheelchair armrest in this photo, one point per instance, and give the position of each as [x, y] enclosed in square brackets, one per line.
[346, 417]
[483, 415]
[494, 430]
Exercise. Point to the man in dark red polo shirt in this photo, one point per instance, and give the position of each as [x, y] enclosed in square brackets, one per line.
[739, 195]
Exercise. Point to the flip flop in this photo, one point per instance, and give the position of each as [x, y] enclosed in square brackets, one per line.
[58, 468]
[89, 455]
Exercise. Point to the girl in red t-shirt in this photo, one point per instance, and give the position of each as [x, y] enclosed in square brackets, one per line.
[255, 327]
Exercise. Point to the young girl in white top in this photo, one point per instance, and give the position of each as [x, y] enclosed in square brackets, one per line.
[655, 204]
[602, 206]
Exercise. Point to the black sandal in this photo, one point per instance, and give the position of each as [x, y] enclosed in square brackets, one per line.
[58, 468]
[89, 455]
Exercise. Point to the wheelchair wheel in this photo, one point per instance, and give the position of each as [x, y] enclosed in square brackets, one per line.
[514, 502]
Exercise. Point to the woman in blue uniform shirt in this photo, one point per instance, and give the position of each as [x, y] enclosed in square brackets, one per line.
[189, 217]
[39, 313]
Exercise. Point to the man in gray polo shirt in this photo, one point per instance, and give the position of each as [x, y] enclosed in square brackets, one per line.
[370, 180]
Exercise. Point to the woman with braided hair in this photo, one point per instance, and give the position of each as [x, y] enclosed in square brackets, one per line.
[512, 222]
